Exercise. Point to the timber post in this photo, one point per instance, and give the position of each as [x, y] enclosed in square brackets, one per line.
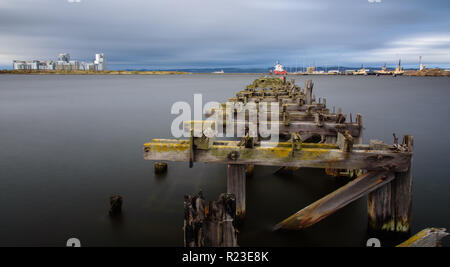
[209, 223]
[308, 91]
[359, 122]
[160, 167]
[389, 207]
[115, 202]
[236, 181]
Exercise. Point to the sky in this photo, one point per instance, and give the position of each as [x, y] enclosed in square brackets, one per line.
[176, 34]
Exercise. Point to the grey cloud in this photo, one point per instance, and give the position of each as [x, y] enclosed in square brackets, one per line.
[213, 33]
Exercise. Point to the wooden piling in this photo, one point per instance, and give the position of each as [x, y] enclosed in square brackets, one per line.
[389, 207]
[115, 202]
[209, 224]
[359, 122]
[403, 201]
[236, 185]
[380, 208]
[308, 91]
[160, 167]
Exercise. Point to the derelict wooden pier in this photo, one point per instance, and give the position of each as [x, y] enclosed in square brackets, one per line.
[384, 169]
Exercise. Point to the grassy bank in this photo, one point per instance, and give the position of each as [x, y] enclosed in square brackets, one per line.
[82, 72]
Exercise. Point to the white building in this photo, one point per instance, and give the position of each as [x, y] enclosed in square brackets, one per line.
[26, 64]
[63, 63]
[88, 66]
[46, 65]
[70, 66]
[100, 62]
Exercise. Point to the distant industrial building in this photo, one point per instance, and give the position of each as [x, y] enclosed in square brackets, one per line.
[99, 62]
[63, 63]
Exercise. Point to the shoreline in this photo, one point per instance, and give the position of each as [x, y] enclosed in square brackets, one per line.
[409, 73]
[81, 72]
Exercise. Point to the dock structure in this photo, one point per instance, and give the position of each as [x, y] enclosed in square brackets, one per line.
[388, 178]
[384, 170]
[299, 111]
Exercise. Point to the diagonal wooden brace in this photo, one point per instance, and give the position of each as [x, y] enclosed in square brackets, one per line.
[340, 198]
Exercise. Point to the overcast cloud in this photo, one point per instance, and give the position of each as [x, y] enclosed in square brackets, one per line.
[227, 33]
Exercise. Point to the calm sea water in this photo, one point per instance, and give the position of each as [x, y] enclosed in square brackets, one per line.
[68, 142]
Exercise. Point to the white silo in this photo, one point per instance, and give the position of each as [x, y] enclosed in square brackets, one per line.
[100, 62]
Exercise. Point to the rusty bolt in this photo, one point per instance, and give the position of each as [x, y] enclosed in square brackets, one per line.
[234, 155]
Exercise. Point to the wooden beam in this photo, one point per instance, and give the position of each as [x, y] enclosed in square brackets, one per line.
[340, 198]
[280, 154]
[326, 128]
[430, 237]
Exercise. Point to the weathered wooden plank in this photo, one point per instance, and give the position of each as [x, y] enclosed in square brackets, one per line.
[327, 128]
[430, 237]
[326, 206]
[312, 155]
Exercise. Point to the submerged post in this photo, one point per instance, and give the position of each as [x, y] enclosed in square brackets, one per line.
[115, 202]
[236, 185]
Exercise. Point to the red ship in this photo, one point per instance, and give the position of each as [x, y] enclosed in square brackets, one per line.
[279, 69]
